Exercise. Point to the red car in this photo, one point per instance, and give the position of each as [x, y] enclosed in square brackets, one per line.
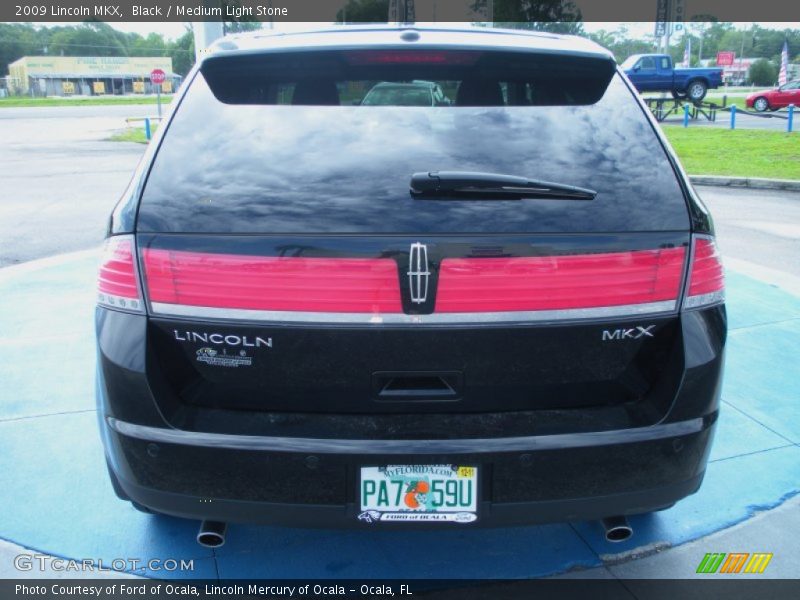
[788, 93]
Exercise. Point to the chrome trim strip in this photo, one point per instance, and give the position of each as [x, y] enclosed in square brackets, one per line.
[704, 300]
[367, 446]
[133, 305]
[532, 316]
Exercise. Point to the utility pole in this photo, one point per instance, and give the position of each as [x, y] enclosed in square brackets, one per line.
[699, 27]
[741, 57]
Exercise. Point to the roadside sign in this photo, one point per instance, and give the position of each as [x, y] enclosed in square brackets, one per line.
[676, 18]
[157, 77]
[662, 12]
[725, 59]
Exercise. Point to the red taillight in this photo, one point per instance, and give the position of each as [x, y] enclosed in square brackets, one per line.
[395, 57]
[268, 283]
[117, 283]
[611, 279]
[706, 285]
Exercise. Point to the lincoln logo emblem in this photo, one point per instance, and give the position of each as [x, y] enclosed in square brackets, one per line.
[418, 273]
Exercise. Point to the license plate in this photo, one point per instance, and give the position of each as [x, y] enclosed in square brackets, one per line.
[413, 493]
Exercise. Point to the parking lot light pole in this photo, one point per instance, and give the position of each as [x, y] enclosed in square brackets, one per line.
[733, 116]
[790, 120]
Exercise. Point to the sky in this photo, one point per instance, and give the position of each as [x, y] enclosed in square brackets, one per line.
[174, 30]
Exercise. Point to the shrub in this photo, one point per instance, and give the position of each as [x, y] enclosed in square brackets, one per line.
[763, 72]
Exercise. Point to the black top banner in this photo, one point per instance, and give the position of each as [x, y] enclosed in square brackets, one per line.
[354, 11]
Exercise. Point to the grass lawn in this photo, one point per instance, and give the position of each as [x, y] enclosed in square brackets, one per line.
[133, 134]
[739, 102]
[738, 152]
[18, 101]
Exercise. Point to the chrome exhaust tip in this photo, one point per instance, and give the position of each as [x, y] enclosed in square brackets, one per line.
[211, 534]
[617, 529]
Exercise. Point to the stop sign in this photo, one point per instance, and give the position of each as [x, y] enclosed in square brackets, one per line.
[157, 76]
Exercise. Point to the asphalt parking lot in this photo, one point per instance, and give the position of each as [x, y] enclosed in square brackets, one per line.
[58, 176]
[57, 499]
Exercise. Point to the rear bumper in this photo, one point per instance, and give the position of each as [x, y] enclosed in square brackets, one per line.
[314, 482]
[304, 469]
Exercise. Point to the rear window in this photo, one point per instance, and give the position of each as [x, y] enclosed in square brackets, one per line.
[405, 77]
[327, 142]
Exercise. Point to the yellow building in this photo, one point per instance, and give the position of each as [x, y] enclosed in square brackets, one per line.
[88, 75]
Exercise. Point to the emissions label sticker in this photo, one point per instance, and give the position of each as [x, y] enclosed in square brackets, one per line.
[215, 359]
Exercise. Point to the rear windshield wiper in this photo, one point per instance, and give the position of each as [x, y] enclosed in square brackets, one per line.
[469, 185]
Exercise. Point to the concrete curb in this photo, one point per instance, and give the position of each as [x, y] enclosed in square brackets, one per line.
[756, 183]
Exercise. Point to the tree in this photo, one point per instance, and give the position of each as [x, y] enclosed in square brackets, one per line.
[621, 44]
[556, 16]
[763, 72]
[92, 38]
[152, 45]
[712, 37]
[17, 40]
[698, 25]
[182, 53]
[741, 42]
[605, 38]
[237, 24]
[364, 11]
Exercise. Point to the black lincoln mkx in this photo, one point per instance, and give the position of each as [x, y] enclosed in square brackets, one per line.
[503, 306]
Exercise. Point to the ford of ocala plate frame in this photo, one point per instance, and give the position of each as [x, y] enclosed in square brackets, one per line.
[414, 493]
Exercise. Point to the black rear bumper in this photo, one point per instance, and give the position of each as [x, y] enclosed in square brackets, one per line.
[573, 477]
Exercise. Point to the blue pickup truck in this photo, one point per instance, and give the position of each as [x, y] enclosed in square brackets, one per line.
[655, 73]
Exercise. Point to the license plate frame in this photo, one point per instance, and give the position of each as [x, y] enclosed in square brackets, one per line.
[418, 493]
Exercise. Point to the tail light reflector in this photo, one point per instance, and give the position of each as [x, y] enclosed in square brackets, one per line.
[345, 285]
[117, 281]
[405, 57]
[706, 285]
[639, 277]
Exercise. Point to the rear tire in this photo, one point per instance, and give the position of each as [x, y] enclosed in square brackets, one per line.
[761, 104]
[696, 91]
